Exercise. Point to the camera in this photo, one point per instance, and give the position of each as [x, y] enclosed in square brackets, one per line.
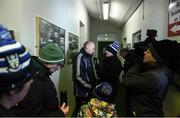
[151, 33]
[151, 36]
[137, 53]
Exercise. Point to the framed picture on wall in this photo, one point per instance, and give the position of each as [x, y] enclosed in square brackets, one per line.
[48, 32]
[73, 47]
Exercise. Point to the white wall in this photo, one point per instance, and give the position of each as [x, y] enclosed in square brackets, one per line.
[155, 17]
[20, 16]
[10, 15]
[63, 13]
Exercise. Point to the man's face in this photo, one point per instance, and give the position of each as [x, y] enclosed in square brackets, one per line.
[90, 49]
[148, 57]
[53, 67]
[108, 54]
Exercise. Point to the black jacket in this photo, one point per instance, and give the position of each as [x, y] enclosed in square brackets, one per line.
[109, 71]
[83, 74]
[41, 99]
[147, 89]
[4, 112]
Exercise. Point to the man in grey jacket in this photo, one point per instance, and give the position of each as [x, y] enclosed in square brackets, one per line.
[83, 75]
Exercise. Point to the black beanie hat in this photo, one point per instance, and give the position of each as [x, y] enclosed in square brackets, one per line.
[164, 51]
[103, 91]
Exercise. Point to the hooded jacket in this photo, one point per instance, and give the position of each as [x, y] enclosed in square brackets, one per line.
[97, 108]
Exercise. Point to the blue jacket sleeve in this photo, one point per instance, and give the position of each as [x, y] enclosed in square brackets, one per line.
[81, 73]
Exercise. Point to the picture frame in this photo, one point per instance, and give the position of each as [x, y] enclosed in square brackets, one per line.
[73, 47]
[47, 32]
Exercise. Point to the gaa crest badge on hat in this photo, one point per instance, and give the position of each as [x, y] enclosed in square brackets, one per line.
[13, 61]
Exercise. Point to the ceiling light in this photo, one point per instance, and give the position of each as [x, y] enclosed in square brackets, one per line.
[172, 6]
[105, 10]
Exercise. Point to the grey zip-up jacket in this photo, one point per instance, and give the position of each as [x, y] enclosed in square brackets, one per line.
[83, 74]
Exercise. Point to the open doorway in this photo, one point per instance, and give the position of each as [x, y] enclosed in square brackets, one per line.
[103, 40]
[136, 37]
[102, 48]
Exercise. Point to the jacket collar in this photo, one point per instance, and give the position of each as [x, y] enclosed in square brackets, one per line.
[85, 53]
[38, 68]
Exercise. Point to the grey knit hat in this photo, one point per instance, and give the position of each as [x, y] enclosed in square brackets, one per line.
[103, 91]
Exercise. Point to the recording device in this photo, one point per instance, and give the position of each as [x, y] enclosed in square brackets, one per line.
[140, 47]
[137, 53]
[151, 33]
[63, 97]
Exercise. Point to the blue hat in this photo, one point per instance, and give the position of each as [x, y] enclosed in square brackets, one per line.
[113, 48]
[103, 91]
[4, 33]
[14, 62]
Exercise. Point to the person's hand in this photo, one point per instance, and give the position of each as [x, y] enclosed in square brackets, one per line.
[64, 108]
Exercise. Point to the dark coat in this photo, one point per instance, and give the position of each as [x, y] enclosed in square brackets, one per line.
[4, 112]
[83, 74]
[109, 71]
[41, 99]
[146, 90]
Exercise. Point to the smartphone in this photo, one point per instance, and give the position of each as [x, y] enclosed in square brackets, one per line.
[63, 97]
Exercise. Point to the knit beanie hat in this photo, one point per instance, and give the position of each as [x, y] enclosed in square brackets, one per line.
[103, 91]
[113, 48]
[4, 33]
[165, 51]
[51, 54]
[14, 62]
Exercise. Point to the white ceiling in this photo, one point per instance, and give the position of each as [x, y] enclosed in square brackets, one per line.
[120, 10]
